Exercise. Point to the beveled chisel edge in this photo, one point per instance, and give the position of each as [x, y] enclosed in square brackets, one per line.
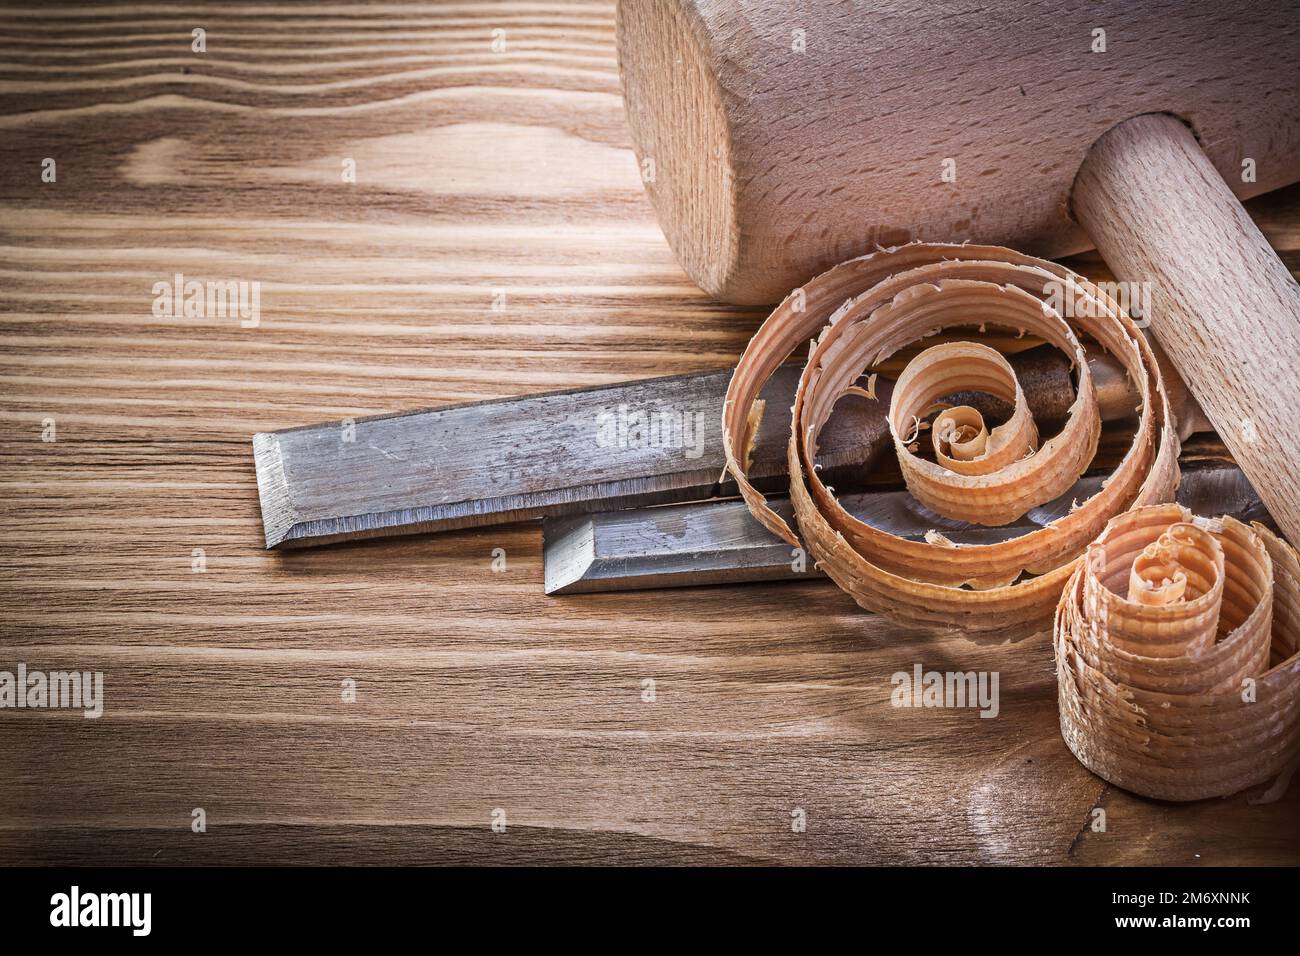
[574, 540]
[278, 515]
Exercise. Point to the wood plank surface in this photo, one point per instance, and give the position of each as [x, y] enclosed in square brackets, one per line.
[478, 173]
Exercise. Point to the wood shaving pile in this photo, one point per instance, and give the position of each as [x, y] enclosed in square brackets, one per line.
[863, 311]
[1178, 655]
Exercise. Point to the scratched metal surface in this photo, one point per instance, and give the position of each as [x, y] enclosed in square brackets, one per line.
[495, 462]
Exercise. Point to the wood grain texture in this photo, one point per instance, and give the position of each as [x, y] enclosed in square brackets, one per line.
[476, 171]
[1223, 306]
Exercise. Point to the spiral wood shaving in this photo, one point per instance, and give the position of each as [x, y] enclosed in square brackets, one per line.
[1178, 655]
[865, 310]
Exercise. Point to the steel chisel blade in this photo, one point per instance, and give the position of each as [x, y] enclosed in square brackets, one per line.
[628, 445]
[620, 446]
[719, 542]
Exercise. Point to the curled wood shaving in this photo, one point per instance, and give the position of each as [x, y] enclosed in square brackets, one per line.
[985, 477]
[1178, 655]
[863, 311]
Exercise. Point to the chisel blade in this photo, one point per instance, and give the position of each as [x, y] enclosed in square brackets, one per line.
[719, 542]
[628, 445]
[620, 446]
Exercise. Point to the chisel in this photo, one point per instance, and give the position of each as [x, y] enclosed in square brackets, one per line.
[718, 542]
[634, 444]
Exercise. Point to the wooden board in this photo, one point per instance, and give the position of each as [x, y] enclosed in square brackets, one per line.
[477, 172]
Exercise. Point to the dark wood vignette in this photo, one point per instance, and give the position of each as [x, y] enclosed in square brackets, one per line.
[476, 172]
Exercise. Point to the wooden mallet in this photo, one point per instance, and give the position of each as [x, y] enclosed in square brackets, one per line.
[777, 139]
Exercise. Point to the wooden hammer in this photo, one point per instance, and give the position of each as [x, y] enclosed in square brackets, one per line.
[776, 140]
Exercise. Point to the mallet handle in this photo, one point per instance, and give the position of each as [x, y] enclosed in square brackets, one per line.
[1223, 306]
